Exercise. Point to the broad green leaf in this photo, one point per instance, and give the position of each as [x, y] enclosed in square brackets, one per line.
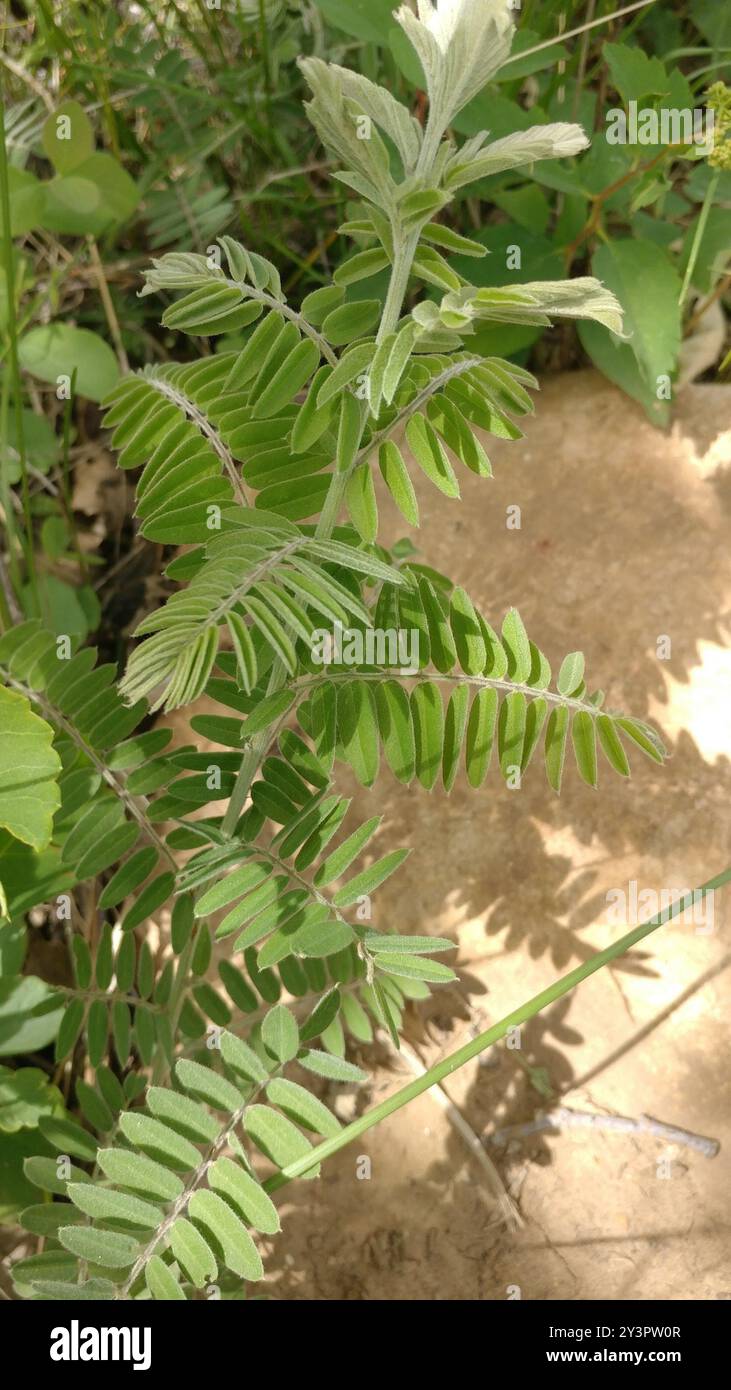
[29, 771]
[268, 712]
[42, 1172]
[118, 193]
[28, 1021]
[647, 285]
[635, 74]
[59, 349]
[318, 939]
[45, 1218]
[152, 897]
[317, 305]
[367, 20]
[68, 137]
[94, 1107]
[25, 1094]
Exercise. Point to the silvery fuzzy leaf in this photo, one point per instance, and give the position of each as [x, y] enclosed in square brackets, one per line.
[537, 303]
[461, 45]
[335, 116]
[388, 113]
[554, 141]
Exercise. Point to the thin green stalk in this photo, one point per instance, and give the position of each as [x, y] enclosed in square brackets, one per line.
[6, 497]
[472, 1049]
[7, 249]
[264, 38]
[698, 236]
[581, 29]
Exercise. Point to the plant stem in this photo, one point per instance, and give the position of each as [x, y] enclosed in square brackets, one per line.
[7, 248]
[698, 236]
[402, 261]
[472, 1049]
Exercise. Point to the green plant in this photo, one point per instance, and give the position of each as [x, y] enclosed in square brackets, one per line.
[98, 804]
[646, 211]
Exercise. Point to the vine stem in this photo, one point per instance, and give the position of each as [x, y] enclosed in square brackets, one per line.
[475, 1046]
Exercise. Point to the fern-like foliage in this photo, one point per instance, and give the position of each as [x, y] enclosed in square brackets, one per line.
[288, 621]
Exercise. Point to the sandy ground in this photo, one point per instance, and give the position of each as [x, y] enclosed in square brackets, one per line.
[624, 540]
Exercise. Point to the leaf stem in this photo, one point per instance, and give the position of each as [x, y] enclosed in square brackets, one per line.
[472, 1049]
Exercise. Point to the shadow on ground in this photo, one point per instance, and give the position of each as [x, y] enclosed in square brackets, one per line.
[624, 541]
